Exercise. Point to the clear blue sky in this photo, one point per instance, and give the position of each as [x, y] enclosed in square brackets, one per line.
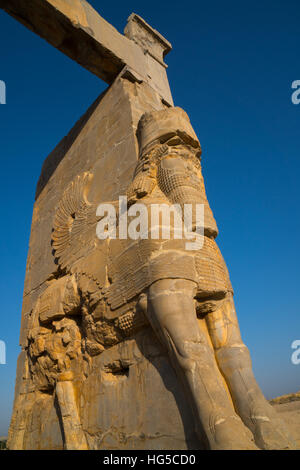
[231, 69]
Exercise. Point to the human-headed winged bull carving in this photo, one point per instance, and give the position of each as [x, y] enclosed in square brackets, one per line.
[108, 289]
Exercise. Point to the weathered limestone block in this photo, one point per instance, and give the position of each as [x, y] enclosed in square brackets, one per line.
[130, 335]
[61, 298]
[103, 142]
[76, 29]
[138, 403]
[129, 342]
[289, 411]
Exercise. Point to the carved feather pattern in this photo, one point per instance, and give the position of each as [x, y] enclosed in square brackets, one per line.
[74, 227]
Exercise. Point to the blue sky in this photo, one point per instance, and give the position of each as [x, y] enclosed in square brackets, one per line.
[231, 69]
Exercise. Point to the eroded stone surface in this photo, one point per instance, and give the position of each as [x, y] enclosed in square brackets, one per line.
[134, 344]
[129, 343]
[101, 143]
[77, 30]
[289, 411]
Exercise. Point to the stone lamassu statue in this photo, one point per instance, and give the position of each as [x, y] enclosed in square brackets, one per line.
[112, 288]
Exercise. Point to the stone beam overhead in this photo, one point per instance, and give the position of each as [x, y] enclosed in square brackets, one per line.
[77, 30]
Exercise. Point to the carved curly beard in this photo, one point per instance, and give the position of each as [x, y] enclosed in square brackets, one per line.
[142, 185]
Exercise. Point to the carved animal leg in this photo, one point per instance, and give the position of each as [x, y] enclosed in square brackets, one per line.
[171, 312]
[235, 364]
[74, 435]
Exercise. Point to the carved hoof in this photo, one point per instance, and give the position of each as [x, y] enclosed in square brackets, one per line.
[231, 434]
[273, 435]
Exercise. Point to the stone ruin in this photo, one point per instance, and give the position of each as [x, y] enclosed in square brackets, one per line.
[127, 344]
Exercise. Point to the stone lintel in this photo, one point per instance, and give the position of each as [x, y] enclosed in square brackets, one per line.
[77, 30]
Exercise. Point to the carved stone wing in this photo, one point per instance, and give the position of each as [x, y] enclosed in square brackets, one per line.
[74, 228]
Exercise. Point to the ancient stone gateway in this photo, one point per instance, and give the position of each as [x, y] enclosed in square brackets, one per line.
[127, 343]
